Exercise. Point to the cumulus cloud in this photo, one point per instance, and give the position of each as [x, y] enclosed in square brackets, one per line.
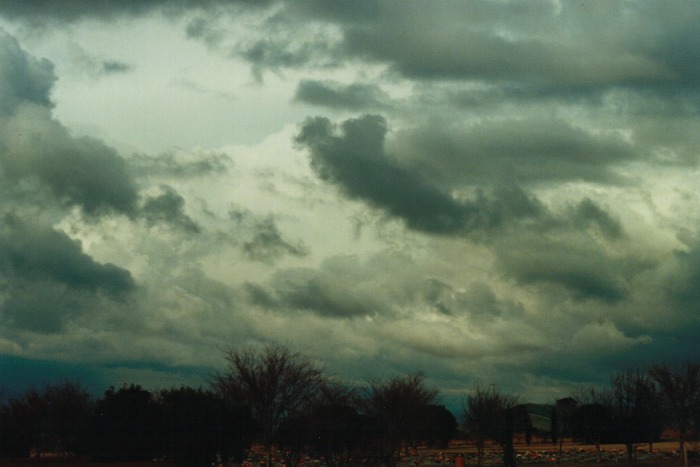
[69, 10]
[173, 164]
[36, 148]
[35, 253]
[587, 273]
[48, 281]
[168, 206]
[587, 213]
[308, 290]
[526, 150]
[23, 78]
[262, 239]
[78, 171]
[539, 43]
[355, 159]
[334, 95]
[37, 151]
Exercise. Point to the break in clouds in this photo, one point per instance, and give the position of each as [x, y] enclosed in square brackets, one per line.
[478, 190]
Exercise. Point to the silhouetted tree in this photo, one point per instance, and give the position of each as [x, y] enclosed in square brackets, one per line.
[635, 404]
[484, 416]
[274, 382]
[439, 426]
[52, 419]
[680, 391]
[398, 403]
[18, 428]
[593, 423]
[331, 426]
[522, 423]
[127, 425]
[199, 426]
[561, 420]
[508, 451]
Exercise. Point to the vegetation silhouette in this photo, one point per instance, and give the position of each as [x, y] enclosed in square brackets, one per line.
[286, 402]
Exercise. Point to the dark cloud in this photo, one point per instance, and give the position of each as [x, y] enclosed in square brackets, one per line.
[588, 212]
[337, 12]
[334, 95]
[538, 47]
[535, 42]
[23, 78]
[682, 285]
[330, 291]
[111, 67]
[36, 253]
[585, 272]
[279, 53]
[523, 150]
[482, 302]
[168, 206]
[674, 42]
[62, 11]
[198, 164]
[78, 171]
[33, 146]
[477, 300]
[263, 240]
[477, 54]
[47, 281]
[268, 244]
[201, 28]
[439, 295]
[42, 307]
[356, 161]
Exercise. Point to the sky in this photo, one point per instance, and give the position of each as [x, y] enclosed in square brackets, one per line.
[489, 192]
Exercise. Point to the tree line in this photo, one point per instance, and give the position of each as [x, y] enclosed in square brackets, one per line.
[635, 408]
[281, 399]
[271, 396]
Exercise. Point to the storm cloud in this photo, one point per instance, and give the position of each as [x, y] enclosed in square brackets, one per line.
[523, 150]
[23, 78]
[354, 158]
[69, 10]
[352, 97]
[34, 253]
[35, 147]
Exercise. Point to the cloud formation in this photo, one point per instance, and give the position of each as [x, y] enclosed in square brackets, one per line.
[491, 191]
[355, 159]
[23, 78]
[354, 96]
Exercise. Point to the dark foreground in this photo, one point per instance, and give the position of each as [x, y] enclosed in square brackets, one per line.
[662, 455]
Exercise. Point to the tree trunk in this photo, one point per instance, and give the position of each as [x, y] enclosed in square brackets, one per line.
[684, 451]
[630, 452]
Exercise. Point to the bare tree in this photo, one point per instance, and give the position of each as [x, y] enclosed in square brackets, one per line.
[273, 381]
[399, 403]
[484, 416]
[635, 404]
[593, 418]
[680, 390]
[593, 396]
